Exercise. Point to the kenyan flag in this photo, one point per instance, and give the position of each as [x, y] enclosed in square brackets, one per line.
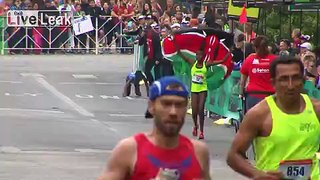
[190, 41]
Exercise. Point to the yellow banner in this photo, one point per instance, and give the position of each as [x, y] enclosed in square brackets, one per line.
[236, 11]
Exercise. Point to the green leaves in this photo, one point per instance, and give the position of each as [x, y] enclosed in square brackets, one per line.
[279, 23]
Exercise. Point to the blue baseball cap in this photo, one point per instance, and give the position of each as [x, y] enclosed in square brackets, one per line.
[160, 88]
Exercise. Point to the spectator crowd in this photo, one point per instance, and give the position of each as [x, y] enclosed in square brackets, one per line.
[299, 46]
[125, 22]
[111, 18]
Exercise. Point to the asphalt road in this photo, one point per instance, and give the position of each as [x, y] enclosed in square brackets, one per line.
[61, 116]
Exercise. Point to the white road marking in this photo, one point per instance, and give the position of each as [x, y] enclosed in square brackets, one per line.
[136, 98]
[8, 94]
[32, 94]
[95, 121]
[89, 96]
[92, 151]
[15, 150]
[89, 83]
[84, 96]
[59, 117]
[104, 123]
[126, 115]
[112, 129]
[9, 149]
[12, 82]
[31, 110]
[64, 98]
[109, 97]
[32, 74]
[104, 83]
[24, 94]
[84, 76]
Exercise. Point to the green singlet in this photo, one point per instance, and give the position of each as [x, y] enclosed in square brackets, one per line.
[198, 78]
[292, 144]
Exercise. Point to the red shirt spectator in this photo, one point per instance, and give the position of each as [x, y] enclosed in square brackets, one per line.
[257, 69]
[125, 11]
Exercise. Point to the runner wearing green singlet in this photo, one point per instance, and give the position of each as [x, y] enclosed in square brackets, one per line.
[284, 129]
[199, 86]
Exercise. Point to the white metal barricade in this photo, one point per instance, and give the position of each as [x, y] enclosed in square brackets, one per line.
[17, 37]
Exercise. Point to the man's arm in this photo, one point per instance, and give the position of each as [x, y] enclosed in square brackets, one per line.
[208, 64]
[202, 154]
[185, 58]
[243, 81]
[121, 161]
[128, 15]
[114, 12]
[249, 129]
[247, 132]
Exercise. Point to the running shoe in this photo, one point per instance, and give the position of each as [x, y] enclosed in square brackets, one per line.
[195, 131]
[201, 136]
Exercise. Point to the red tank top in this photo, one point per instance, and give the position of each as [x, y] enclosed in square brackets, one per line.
[151, 158]
[150, 45]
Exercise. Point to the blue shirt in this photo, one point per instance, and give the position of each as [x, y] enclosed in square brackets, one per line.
[131, 76]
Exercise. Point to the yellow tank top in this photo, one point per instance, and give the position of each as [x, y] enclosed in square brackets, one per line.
[198, 78]
[293, 137]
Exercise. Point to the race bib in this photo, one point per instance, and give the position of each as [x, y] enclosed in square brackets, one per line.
[296, 169]
[197, 78]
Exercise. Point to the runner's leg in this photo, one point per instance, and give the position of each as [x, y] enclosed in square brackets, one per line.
[194, 107]
[202, 100]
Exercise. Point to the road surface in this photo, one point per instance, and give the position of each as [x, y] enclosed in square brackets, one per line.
[61, 116]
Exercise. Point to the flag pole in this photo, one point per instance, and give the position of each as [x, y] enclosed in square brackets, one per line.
[243, 20]
[244, 49]
[244, 43]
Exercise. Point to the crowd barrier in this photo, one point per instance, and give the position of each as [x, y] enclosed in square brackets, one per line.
[26, 40]
[225, 101]
[2, 27]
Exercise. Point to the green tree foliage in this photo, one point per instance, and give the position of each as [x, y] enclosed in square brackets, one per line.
[277, 23]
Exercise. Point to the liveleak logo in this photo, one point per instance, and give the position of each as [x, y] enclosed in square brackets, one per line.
[29, 18]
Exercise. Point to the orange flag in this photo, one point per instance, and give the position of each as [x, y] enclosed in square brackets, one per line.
[243, 16]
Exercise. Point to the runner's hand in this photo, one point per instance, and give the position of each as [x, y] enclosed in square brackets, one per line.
[270, 175]
[175, 44]
[159, 175]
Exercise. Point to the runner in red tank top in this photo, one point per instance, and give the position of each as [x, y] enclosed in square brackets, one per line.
[163, 152]
[150, 158]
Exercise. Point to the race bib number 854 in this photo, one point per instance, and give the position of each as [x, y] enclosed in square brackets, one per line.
[296, 169]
